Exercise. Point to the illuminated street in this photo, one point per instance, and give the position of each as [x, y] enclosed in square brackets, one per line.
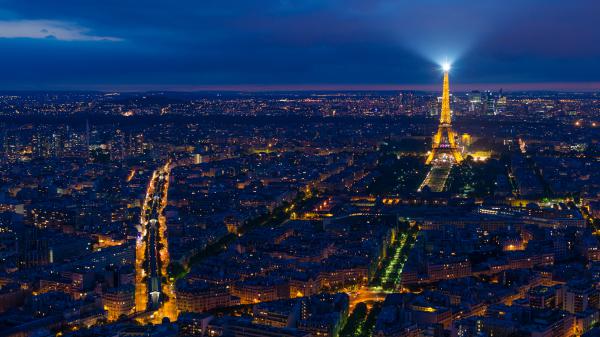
[154, 292]
[367, 295]
[390, 279]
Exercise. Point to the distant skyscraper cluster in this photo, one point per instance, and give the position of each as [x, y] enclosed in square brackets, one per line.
[487, 102]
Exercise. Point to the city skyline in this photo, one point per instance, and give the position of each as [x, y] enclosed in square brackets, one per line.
[299, 168]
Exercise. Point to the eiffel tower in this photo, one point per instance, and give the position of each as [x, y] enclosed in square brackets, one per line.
[444, 144]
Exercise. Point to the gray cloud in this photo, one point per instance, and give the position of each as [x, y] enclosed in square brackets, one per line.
[42, 29]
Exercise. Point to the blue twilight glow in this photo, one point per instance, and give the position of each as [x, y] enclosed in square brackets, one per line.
[188, 45]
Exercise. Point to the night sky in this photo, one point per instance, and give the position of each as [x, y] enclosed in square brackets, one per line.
[287, 44]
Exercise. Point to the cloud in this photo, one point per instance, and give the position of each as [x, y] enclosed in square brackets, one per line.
[45, 29]
[290, 42]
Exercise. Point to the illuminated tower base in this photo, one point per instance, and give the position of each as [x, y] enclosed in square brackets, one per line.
[444, 144]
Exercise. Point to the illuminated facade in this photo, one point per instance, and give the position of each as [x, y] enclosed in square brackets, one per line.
[201, 297]
[119, 302]
[444, 143]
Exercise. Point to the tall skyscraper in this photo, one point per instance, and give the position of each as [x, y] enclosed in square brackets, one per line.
[489, 103]
[474, 101]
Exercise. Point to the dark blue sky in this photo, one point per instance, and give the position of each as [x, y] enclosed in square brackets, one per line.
[295, 44]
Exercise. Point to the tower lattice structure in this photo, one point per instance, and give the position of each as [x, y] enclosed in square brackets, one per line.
[444, 143]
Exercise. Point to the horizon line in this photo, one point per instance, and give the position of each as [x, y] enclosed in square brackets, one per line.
[458, 87]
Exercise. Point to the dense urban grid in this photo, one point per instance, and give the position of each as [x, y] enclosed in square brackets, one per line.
[299, 214]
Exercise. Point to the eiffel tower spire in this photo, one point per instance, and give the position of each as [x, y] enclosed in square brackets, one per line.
[444, 143]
